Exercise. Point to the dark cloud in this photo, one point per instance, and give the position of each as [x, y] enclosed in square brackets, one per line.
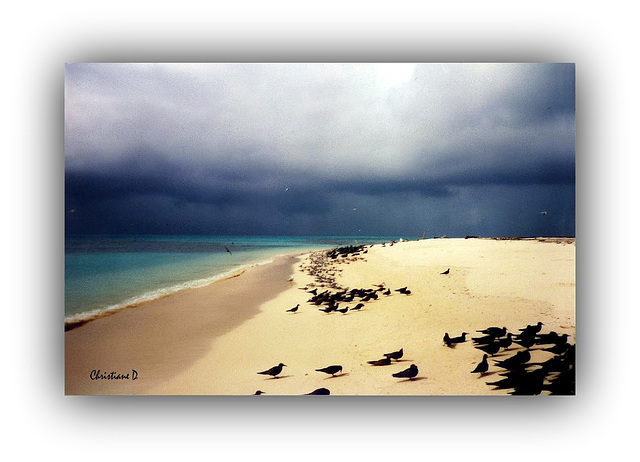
[320, 149]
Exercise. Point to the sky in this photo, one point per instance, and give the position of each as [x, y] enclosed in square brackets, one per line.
[320, 149]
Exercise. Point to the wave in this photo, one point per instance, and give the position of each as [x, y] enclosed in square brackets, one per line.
[79, 319]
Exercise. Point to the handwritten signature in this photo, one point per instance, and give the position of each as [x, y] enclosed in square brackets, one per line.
[97, 374]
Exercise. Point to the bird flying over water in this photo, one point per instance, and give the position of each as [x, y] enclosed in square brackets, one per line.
[227, 249]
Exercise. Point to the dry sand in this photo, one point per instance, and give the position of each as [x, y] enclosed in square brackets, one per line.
[178, 345]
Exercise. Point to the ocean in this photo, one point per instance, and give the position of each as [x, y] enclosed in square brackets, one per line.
[106, 273]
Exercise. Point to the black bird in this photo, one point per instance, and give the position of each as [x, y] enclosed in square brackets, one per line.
[552, 338]
[460, 339]
[518, 359]
[560, 348]
[495, 331]
[409, 373]
[394, 355]
[482, 367]
[533, 328]
[259, 392]
[491, 348]
[526, 340]
[447, 340]
[380, 362]
[275, 370]
[387, 292]
[446, 272]
[505, 342]
[487, 339]
[403, 290]
[320, 391]
[343, 310]
[227, 249]
[294, 309]
[333, 370]
[358, 306]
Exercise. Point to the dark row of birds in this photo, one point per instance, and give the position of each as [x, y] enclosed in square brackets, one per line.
[522, 377]
[335, 370]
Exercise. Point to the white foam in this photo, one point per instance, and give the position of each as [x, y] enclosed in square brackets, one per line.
[159, 293]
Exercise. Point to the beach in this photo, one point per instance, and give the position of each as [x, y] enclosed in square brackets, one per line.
[214, 340]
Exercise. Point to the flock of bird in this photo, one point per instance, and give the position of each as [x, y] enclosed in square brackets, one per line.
[521, 376]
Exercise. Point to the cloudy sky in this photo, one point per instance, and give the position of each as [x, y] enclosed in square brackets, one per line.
[337, 149]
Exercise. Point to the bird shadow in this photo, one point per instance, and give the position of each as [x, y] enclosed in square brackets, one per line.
[415, 379]
[337, 375]
[487, 374]
[279, 377]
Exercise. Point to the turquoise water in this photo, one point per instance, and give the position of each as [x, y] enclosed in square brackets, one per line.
[105, 273]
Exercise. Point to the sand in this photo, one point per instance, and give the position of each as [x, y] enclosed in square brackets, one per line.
[194, 343]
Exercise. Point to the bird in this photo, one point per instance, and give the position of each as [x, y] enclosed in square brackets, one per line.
[380, 362]
[333, 370]
[533, 328]
[487, 339]
[505, 342]
[294, 309]
[259, 392]
[394, 355]
[275, 370]
[495, 331]
[482, 367]
[402, 290]
[491, 348]
[518, 359]
[460, 339]
[343, 310]
[320, 391]
[227, 249]
[387, 292]
[446, 272]
[409, 373]
[447, 340]
[358, 306]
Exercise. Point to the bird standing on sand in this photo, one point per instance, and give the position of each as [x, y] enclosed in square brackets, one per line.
[343, 310]
[333, 370]
[482, 367]
[409, 373]
[294, 309]
[358, 306]
[394, 355]
[460, 339]
[495, 331]
[446, 272]
[275, 370]
[380, 362]
[446, 339]
[491, 348]
[320, 391]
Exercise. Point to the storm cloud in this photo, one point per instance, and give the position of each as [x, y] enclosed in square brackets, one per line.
[402, 149]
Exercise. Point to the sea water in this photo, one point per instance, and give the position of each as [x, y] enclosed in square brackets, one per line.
[105, 273]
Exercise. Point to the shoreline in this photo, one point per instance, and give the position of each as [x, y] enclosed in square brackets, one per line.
[158, 337]
[493, 281]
